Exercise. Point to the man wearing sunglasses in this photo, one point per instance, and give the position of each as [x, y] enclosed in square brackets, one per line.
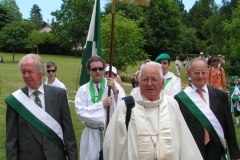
[52, 73]
[91, 102]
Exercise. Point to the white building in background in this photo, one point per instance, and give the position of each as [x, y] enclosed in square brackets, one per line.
[47, 28]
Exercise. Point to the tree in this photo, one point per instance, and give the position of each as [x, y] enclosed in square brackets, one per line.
[36, 38]
[36, 16]
[12, 9]
[72, 22]
[164, 18]
[128, 41]
[190, 42]
[232, 27]
[5, 18]
[15, 35]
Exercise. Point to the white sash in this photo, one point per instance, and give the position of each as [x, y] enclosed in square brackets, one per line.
[38, 112]
[194, 96]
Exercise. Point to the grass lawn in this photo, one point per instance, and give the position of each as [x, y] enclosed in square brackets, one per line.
[68, 73]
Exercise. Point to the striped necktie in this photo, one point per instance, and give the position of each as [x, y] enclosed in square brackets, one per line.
[37, 99]
[206, 134]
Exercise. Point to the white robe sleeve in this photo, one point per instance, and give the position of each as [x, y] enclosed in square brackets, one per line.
[188, 146]
[116, 135]
[86, 110]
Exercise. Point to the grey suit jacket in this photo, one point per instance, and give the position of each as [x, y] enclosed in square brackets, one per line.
[220, 107]
[24, 142]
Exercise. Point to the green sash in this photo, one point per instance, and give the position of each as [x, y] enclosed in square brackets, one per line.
[29, 111]
[203, 120]
[95, 98]
[166, 82]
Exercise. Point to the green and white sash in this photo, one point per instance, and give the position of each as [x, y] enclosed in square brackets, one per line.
[166, 82]
[37, 117]
[204, 115]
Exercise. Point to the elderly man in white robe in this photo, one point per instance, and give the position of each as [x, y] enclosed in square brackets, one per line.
[91, 102]
[172, 84]
[156, 129]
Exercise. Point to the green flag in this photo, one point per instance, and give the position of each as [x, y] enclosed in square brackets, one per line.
[93, 43]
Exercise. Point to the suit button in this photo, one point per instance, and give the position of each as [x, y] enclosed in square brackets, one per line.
[29, 152]
[26, 138]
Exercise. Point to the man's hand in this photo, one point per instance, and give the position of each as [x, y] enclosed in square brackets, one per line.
[111, 84]
[107, 101]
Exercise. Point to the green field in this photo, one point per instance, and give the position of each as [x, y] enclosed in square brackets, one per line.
[68, 73]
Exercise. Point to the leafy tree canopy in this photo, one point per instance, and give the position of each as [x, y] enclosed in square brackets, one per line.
[128, 41]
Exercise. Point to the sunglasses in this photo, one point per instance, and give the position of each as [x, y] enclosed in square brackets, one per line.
[99, 68]
[51, 71]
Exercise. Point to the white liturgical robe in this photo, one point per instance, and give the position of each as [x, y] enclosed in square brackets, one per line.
[93, 116]
[174, 86]
[156, 131]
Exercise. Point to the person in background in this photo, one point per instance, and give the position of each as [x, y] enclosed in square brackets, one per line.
[113, 76]
[216, 76]
[136, 82]
[156, 129]
[172, 84]
[52, 73]
[91, 103]
[235, 98]
[178, 65]
[118, 78]
[206, 112]
[38, 120]
[222, 61]
[201, 56]
[1, 60]
[207, 58]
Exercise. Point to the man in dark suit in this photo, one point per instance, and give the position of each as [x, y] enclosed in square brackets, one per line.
[207, 113]
[38, 120]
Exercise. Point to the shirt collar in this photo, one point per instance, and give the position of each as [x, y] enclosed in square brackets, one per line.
[204, 88]
[40, 89]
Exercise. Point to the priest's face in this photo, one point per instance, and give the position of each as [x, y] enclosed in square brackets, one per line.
[198, 72]
[96, 71]
[150, 82]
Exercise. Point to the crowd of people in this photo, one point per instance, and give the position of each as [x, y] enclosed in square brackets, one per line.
[165, 121]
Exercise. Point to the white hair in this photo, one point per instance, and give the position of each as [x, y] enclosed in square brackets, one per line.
[158, 65]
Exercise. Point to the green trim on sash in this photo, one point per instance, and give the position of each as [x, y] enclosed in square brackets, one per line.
[34, 121]
[93, 96]
[166, 82]
[202, 119]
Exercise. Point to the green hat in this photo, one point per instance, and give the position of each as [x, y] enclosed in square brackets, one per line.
[234, 77]
[162, 56]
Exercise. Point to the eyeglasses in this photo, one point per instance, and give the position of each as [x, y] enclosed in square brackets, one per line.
[197, 73]
[153, 80]
[51, 71]
[95, 69]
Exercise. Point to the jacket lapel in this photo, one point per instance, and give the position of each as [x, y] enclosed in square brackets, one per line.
[49, 101]
[213, 100]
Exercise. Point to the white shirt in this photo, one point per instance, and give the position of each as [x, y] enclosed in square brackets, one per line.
[205, 93]
[56, 83]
